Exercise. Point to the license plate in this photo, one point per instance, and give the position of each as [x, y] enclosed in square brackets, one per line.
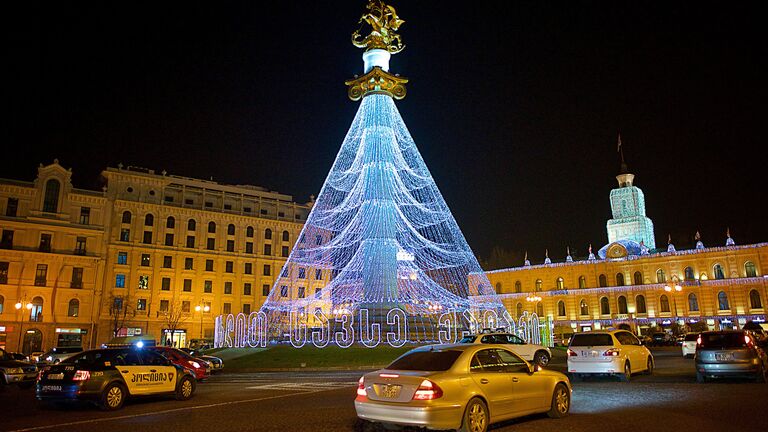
[56, 376]
[723, 357]
[589, 353]
[390, 391]
[48, 388]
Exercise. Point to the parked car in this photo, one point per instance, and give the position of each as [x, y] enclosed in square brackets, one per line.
[534, 353]
[18, 356]
[730, 353]
[59, 354]
[689, 344]
[199, 367]
[16, 372]
[217, 364]
[662, 339]
[610, 352]
[107, 377]
[467, 386]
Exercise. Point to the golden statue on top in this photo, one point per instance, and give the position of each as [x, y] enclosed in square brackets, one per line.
[384, 23]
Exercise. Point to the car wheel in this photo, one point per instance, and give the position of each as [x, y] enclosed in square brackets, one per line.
[185, 389]
[112, 398]
[627, 375]
[541, 358]
[649, 367]
[561, 402]
[700, 378]
[475, 416]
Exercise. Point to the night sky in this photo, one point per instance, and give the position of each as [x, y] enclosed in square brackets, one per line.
[514, 105]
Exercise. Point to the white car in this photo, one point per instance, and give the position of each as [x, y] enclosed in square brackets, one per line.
[537, 354]
[614, 352]
[689, 345]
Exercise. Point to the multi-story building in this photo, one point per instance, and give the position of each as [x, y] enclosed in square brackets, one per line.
[149, 254]
[629, 285]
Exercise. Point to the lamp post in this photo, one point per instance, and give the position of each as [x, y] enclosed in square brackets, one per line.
[202, 308]
[677, 288]
[19, 305]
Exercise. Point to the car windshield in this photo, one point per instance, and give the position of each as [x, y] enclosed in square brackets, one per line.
[691, 337]
[431, 361]
[722, 340]
[591, 339]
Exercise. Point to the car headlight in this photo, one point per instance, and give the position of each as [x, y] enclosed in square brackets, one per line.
[49, 358]
[195, 364]
[13, 371]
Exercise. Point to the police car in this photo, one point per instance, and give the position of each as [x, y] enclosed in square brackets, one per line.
[107, 377]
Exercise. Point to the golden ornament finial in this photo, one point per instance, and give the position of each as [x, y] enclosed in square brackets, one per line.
[384, 23]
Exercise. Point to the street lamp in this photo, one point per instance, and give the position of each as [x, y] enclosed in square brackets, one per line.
[202, 308]
[19, 305]
[677, 288]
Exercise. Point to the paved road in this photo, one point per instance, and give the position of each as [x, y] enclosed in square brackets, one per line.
[668, 400]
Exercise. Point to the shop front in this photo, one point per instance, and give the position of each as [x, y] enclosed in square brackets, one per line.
[176, 338]
[70, 337]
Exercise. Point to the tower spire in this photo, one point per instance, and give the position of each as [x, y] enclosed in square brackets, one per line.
[624, 178]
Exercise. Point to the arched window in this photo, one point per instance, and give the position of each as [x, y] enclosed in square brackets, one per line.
[660, 276]
[2, 303]
[561, 308]
[231, 229]
[36, 313]
[693, 303]
[498, 287]
[582, 282]
[249, 232]
[638, 278]
[560, 283]
[74, 308]
[191, 225]
[538, 284]
[718, 271]
[518, 287]
[640, 304]
[664, 303]
[605, 307]
[149, 220]
[689, 274]
[519, 310]
[170, 222]
[603, 280]
[126, 217]
[539, 309]
[583, 307]
[755, 302]
[623, 305]
[749, 269]
[268, 234]
[212, 227]
[51, 197]
[286, 236]
[619, 279]
[722, 301]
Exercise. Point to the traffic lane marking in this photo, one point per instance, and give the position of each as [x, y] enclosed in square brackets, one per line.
[168, 411]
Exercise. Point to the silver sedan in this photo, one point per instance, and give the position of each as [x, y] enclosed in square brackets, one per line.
[464, 387]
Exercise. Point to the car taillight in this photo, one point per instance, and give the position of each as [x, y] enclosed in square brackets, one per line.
[698, 340]
[428, 391]
[613, 352]
[747, 339]
[82, 375]
[572, 353]
[361, 387]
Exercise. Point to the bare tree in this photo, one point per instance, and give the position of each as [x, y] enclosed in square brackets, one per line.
[172, 317]
[120, 309]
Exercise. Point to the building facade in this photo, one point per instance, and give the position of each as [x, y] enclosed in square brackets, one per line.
[644, 289]
[150, 254]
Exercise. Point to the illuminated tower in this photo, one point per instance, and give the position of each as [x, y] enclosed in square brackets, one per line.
[379, 236]
[628, 207]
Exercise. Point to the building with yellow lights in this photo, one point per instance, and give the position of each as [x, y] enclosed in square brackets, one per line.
[150, 254]
[632, 286]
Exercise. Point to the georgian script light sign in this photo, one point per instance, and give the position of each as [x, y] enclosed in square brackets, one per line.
[344, 329]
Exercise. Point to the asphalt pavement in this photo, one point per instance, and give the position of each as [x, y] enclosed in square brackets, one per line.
[670, 400]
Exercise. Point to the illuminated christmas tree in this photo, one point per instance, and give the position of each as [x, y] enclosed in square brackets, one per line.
[380, 258]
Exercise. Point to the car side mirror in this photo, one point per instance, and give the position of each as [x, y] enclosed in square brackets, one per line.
[532, 368]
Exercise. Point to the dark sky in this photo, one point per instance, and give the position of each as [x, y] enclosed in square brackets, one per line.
[514, 105]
